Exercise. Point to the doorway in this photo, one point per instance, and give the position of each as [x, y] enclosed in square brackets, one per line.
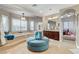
[69, 28]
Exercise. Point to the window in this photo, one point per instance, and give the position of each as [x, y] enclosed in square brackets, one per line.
[18, 25]
[31, 25]
[15, 25]
[68, 25]
[5, 23]
[23, 25]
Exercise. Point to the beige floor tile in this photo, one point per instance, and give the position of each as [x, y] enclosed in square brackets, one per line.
[19, 46]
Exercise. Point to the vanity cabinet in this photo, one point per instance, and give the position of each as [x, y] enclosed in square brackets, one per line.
[51, 34]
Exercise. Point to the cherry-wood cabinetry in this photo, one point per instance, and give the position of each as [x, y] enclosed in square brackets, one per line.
[51, 34]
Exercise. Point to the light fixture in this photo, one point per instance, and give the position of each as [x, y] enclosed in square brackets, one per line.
[23, 17]
[53, 17]
[67, 15]
[62, 17]
[49, 18]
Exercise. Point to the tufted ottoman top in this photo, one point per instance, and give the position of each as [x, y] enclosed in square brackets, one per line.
[37, 43]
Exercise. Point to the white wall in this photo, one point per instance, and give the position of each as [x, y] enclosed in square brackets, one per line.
[31, 18]
[45, 23]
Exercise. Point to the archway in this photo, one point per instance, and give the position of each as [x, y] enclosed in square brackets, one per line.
[68, 21]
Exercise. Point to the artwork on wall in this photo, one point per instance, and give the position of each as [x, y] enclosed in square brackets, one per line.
[39, 26]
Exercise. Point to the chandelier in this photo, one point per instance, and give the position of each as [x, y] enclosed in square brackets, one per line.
[23, 17]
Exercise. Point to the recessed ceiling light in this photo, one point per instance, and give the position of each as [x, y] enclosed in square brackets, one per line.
[40, 11]
[50, 9]
[34, 5]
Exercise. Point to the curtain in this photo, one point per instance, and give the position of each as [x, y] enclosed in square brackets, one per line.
[69, 26]
[5, 23]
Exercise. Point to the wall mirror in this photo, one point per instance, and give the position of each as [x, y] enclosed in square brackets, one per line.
[51, 25]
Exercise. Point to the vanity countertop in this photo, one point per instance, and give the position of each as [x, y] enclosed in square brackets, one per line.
[52, 30]
[52, 34]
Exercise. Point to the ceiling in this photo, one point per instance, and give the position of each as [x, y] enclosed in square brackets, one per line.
[36, 10]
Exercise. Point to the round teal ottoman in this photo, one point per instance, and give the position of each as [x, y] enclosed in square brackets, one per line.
[38, 45]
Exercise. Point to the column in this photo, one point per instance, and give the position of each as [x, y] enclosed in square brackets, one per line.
[10, 23]
[2, 40]
[45, 23]
[61, 30]
[77, 31]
